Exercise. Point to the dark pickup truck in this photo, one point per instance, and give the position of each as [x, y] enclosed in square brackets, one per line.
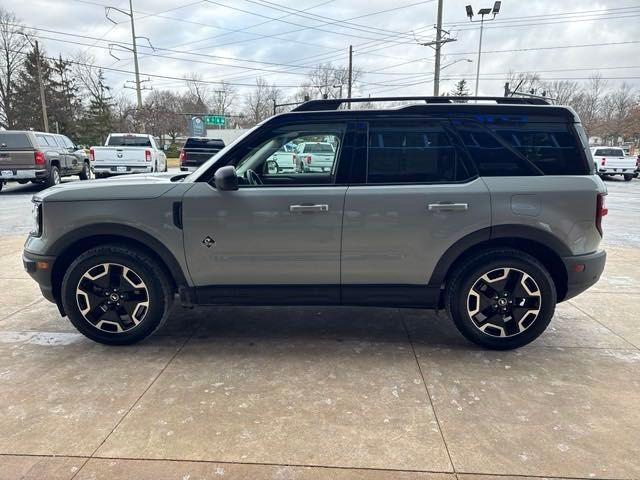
[197, 150]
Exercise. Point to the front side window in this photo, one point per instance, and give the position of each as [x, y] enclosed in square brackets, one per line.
[292, 156]
[413, 152]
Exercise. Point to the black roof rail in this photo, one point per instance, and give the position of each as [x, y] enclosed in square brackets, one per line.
[334, 103]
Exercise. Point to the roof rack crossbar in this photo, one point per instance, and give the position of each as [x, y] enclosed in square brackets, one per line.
[335, 103]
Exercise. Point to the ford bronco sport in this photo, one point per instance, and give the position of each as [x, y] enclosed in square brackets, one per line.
[490, 209]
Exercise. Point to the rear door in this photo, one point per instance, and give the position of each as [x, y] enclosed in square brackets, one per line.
[421, 196]
[16, 153]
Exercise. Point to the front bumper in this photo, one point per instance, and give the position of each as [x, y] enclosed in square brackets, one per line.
[583, 271]
[35, 266]
[121, 169]
[30, 174]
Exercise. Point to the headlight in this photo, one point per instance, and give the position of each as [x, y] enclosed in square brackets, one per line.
[36, 213]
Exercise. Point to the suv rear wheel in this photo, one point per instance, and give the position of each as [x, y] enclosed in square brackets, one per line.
[501, 299]
[116, 295]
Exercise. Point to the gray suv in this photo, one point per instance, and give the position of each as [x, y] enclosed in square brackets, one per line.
[38, 157]
[490, 210]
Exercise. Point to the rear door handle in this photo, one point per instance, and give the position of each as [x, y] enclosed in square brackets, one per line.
[308, 208]
[448, 207]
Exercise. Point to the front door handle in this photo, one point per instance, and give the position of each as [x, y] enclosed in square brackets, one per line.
[308, 208]
[448, 207]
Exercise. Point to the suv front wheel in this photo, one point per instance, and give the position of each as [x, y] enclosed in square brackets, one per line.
[116, 295]
[501, 299]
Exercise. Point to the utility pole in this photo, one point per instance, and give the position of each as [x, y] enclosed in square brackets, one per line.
[350, 80]
[437, 46]
[45, 119]
[135, 55]
[436, 73]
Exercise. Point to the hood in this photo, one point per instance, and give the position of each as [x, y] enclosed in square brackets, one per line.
[126, 187]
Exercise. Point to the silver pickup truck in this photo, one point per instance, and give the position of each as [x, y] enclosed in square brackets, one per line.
[125, 153]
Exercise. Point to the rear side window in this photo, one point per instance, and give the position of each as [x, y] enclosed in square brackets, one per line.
[552, 147]
[609, 152]
[203, 143]
[413, 152]
[128, 141]
[46, 141]
[14, 140]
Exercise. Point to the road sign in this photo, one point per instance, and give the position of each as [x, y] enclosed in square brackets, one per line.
[197, 127]
[213, 119]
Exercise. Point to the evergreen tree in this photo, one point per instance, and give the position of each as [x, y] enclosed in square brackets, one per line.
[27, 105]
[65, 105]
[461, 89]
[98, 118]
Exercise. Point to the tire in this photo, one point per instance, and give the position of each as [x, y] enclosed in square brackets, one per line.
[479, 285]
[116, 295]
[1, 185]
[628, 178]
[54, 177]
[85, 173]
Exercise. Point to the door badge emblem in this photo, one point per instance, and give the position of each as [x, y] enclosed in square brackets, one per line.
[208, 242]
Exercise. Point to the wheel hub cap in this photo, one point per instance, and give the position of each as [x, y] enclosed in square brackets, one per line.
[504, 302]
[112, 297]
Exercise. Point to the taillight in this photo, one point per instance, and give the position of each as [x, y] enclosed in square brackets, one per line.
[92, 155]
[308, 159]
[601, 211]
[603, 162]
[147, 155]
[183, 156]
[38, 157]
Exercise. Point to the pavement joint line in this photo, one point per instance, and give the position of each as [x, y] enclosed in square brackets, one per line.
[21, 309]
[302, 465]
[603, 325]
[162, 370]
[426, 389]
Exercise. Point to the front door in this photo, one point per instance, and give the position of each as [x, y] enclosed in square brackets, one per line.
[277, 238]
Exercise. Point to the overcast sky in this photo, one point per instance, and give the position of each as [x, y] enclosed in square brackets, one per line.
[229, 39]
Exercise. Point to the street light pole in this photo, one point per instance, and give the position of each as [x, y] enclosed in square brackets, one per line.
[482, 12]
[45, 119]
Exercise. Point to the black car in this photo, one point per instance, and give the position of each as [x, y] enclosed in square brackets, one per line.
[197, 150]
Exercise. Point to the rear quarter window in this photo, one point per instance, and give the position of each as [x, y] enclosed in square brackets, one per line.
[14, 141]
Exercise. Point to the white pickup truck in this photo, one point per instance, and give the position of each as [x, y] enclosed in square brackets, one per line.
[125, 153]
[613, 161]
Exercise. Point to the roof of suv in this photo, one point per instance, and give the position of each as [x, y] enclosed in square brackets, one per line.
[472, 106]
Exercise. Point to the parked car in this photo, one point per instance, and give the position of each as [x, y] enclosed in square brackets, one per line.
[197, 150]
[285, 158]
[28, 156]
[314, 157]
[125, 153]
[613, 161]
[490, 211]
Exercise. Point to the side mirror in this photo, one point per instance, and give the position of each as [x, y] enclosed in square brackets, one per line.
[270, 167]
[226, 178]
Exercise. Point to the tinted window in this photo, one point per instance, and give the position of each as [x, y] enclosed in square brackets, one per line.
[552, 147]
[46, 141]
[14, 140]
[60, 141]
[204, 143]
[609, 152]
[413, 152]
[128, 141]
[67, 142]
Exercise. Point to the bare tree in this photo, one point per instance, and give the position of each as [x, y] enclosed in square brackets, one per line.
[199, 95]
[258, 103]
[525, 82]
[13, 47]
[223, 99]
[589, 104]
[329, 81]
[564, 92]
[124, 112]
[162, 116]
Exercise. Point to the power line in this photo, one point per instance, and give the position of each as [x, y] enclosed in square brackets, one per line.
[554, 47]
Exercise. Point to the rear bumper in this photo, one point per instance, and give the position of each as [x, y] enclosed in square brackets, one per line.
[617, 171]
[111, 169]
[583, 271]
[34, 266]
[30, 174]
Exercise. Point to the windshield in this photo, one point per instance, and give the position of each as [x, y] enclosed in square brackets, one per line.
[128, 141]
[206, 165]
